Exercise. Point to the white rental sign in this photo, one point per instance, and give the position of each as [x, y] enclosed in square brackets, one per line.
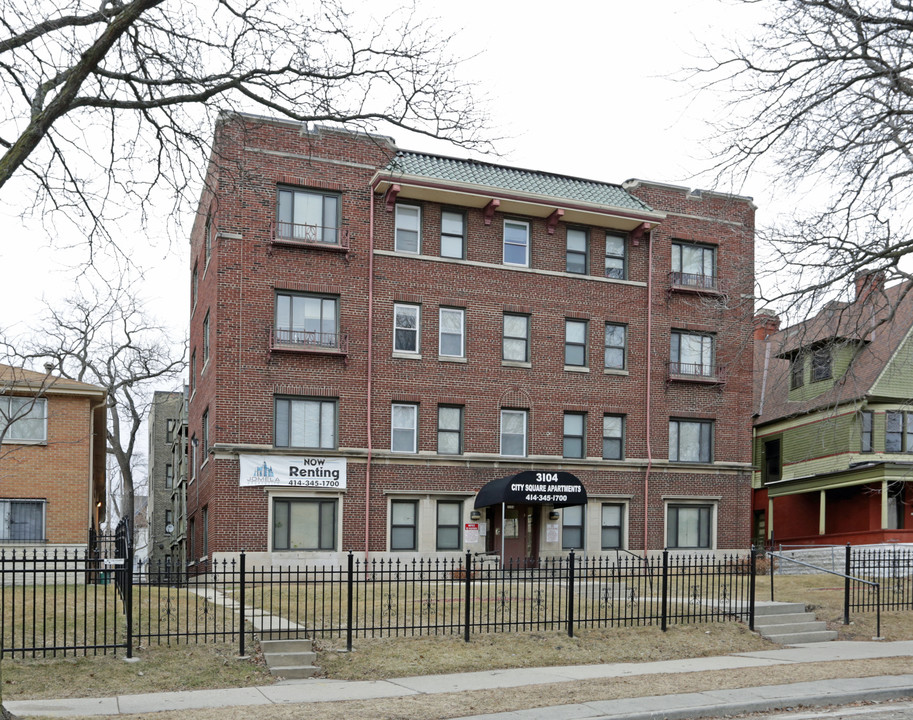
[293, 471]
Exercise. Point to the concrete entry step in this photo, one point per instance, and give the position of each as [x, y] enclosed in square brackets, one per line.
[289, 658]
[784, 619]
[790, 624]
[803, 637]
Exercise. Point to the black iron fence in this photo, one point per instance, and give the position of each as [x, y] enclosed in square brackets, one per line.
[889, 569]
[98, 605]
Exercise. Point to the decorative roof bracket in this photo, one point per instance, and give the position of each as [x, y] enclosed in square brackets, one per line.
[638, 233]
[390, 197]
[489, 211]
[553, 219]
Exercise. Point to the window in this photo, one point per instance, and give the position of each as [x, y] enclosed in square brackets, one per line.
[194, 456]
[690, 440]
[449, 430]
[575, 342]
[206, 339]
[405, 328]
[615, 346]
[513, 432]
[27, 418]
[305, 423]
[898, 435]
[169, 431]
[613, 437]
[693, 266]
[408, 229]
[821, 364]
[449, 525]
[193, 372]
[866, 444]
[691, 354]
[516, 243]
[451, 331]
[310, 320]
[772, 469]
[191, 542]
[576, 251]
[205, 520]
[22, 520]
[688, 526]
[615, 256]
[515, 342]
[169, 476]
[574, 435]
[194, 286]
[797, 372]
[612, 518]
[304, 524]
[403, 524]
[572, 527]
[204, 435]
[207, 240]
[403, 428]
[169, 520]
[308, 216]
[453, 234]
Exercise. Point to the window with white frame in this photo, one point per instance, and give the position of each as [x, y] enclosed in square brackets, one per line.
[309, 320]
[691, 354]
[404, 428]
[169, 476]
[516, 243]
[408, 236]
[513, 432]
[206, 339]
[515, 341]
[612, 526]
[449, 525]
[26, 419]
[689, 526]
[194, 286]
[204, 435]
[453, 234]
[308, 216]
[865, 437]
[305, 422]
[613, 437]
[572, 527]
[616, 339]
[576, 260]
[693, 266]
[574, 435]
[406, 328]
[404, 525]
[22, 520]
[304, 524]
[898, 436]
[452, 332]
[691, 441]
[575, 342]
[193, 372]
[615, 264]
[449, 430]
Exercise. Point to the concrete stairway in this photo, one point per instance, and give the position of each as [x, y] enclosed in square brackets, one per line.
[789, 624]
[291, 659]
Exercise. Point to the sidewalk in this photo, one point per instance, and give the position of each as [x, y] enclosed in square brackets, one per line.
[692, 705]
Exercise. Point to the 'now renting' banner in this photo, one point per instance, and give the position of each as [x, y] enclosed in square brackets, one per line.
[293, 471]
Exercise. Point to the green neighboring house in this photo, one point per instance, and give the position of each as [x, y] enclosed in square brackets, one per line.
[833, 431]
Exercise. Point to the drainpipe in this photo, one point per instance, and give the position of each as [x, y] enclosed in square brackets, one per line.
[370, 368]
[649, 387]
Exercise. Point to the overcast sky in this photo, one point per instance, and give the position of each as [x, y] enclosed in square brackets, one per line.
[592, 88]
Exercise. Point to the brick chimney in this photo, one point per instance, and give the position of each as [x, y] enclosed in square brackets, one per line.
[766, 323]
[867, 282]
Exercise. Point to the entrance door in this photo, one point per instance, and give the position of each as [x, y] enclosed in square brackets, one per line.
[521, 534]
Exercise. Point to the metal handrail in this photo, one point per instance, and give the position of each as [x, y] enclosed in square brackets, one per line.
[846, 604]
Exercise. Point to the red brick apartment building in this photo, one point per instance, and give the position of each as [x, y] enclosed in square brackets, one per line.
[378, 334]
[52, 460]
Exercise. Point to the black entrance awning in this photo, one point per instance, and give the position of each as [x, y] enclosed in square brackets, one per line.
[532, 487]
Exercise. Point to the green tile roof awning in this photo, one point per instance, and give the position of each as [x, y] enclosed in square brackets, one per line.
[500, 178]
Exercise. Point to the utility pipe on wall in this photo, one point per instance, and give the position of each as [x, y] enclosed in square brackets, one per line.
[370, 369]
[648, 407]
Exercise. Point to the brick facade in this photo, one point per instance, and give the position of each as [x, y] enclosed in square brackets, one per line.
[239, 277]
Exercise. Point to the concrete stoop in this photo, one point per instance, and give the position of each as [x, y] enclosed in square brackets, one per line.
[789, 624]
[291, 659]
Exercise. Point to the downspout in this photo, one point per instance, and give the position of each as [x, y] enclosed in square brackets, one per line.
[370, 368]
[649, 386]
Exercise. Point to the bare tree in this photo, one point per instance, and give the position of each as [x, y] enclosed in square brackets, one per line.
[109, 341]
[823, 94]
[102, 105]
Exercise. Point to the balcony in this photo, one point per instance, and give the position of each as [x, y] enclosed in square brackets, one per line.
[305, 341]
[697, 372]
[692, 282]
[335, 239]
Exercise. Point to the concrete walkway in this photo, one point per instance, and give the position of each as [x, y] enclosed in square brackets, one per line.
[693, 705]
